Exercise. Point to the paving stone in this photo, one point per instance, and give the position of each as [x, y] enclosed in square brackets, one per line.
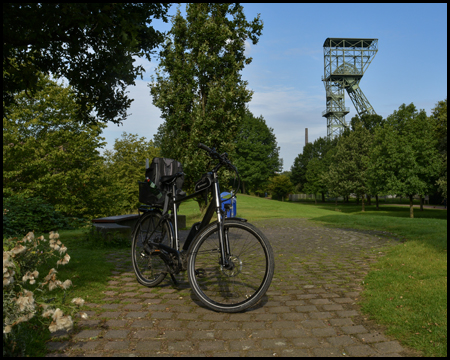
[388, 347]
[215, 345]
[85, 345]
[243, 345]
[86, 334]
[136, 314]
[116, 334]
[341, 340]
[357, 329]
[329, 331]
[149, 346]
[313, 324]
[360, 350]
[144, 334]
[371, 338]
[117, 345]
[327, 352]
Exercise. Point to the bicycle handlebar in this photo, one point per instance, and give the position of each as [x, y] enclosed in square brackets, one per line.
[222, 158]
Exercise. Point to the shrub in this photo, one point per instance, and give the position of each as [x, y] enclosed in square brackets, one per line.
[24, 299]
[24, 214]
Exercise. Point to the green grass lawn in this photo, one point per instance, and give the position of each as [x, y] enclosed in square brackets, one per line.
[406, 289]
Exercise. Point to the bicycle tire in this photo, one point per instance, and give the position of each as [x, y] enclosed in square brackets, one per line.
[231, 291]
[149, 268]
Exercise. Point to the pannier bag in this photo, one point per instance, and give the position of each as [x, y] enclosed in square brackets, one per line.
[151, 191]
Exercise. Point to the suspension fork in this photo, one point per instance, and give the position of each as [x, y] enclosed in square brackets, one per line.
[223, 236]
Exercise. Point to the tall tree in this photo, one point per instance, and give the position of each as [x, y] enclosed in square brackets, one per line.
[317, 149]
[126, 164]
[93, 45]
[47, 153]
[405, 154]
[198, 86]
[257, 154]
[348, 172]
[439, 114]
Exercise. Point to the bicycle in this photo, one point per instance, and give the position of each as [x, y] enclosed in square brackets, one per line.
[229, 263]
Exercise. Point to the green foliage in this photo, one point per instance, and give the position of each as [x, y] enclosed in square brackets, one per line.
[93, 239]
[126, 166]
[318, 150]
[24, 299]
[348, 171]
[198, 86]
[280, 186]
[405, 155]
[93, 45]
[47, 153]
[257, 155]
[23, 214]
[439, 114]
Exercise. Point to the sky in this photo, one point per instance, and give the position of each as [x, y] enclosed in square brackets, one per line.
[285, 74]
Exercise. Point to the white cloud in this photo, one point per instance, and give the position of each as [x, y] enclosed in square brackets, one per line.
[289, 112]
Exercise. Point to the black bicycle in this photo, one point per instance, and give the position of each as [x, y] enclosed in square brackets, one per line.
[230, 263]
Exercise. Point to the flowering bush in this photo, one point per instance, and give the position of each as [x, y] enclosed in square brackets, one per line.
[24, 297]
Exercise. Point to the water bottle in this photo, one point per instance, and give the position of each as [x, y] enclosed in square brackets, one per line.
[153, 188]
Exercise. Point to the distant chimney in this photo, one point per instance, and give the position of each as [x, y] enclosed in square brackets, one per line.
[306, 136]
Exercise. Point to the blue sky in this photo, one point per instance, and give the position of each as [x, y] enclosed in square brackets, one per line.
[285, 75]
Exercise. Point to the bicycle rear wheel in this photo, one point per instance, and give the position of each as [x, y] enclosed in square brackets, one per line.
[253, 267]
[148, 265]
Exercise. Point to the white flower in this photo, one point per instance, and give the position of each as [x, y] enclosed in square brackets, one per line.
[62, 250]
[84, 316]
[66, 284]
[50, 274]
[7, 329]
[26, 302]
[78, 301]
[18, 249]
[57, 314]
[48, 313]
[53, 328]
[65, 322]
[64, 260]
[53, 235]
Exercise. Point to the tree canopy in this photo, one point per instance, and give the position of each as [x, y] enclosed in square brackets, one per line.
[47, 153]
[90, 44]
[198, 85]
[257, 154]
[126, 165]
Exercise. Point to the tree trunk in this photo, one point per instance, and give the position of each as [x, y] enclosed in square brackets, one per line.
[421, 203]
[369, 200]
[323, 197]
[315, 198]
[357, 199]
[376, 200]
[362, 201]
[411, 208]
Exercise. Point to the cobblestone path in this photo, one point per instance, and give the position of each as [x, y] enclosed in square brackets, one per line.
[310, 309]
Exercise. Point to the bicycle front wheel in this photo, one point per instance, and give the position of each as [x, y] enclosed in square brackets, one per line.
[242, 286]
[148, 265]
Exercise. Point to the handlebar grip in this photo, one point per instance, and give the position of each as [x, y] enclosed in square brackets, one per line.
[204, 147]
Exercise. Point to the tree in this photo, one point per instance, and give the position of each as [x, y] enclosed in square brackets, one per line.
[93, 45]
[348, 172]
[439, 114]
[257, 154]
[405, 154]
[318, 149]
[126, 164]
[47, 153]
[198, 86]
[315, 184]
[280, 186]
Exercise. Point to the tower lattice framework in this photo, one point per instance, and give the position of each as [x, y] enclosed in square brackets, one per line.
[345, 62]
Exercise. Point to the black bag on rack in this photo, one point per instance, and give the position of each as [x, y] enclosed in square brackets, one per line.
[154, 195]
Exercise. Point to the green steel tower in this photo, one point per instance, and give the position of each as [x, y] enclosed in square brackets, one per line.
[346, 61]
